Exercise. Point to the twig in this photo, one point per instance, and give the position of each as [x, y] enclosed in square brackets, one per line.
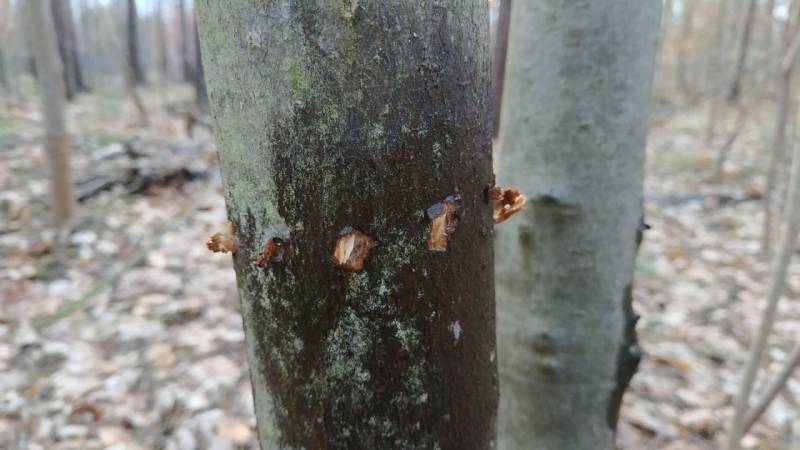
[773, 390]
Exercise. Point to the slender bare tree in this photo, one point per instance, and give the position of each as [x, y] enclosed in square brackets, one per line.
[42, 38]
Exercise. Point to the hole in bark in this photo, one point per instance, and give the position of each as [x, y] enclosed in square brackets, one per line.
[443, 218]
[506, 202]
[275, 251]
[352, 249]
[224, 241]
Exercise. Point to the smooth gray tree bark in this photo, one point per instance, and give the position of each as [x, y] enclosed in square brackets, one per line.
[348, 133]
[574, 122]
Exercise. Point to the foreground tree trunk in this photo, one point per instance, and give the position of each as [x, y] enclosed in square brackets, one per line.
[44, 50]
[133, 42]
[345, 125]
[578, 79]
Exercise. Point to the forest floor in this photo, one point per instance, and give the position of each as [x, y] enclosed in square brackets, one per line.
[137, 343]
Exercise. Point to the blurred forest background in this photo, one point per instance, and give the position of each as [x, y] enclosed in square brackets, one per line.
[125, 333]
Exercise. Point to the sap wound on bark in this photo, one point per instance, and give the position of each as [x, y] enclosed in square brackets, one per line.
[352, 248]
[275, 251]
[443, 218]
[224, 241]
[505, 202]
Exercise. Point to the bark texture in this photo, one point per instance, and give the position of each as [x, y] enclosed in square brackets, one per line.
[44, 50]
[577, 85]
[363, 114]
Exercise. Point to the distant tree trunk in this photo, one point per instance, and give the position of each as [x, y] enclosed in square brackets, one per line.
[87, 42]
[575, 107]
[161, 39]
[741, 52]
[65, 46]
[499, 62]
[42, 38]
[776, 154]
[758, 344]
[133, 42]
[370, 115]
[5, 19]
[75, 60]
[715, 72]
[3, 72]
[199, 78]
[685, 40]
[186, 66]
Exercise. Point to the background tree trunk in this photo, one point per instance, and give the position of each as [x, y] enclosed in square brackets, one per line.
[499, 62]
[682, 68]
[199, 78]
[43, 44]
[359, 114]
[133, 42]
[75, 60]
[161, 39]
[65, 46]
[578, 80]
[741, 53]
[186, 66]
[716, 67]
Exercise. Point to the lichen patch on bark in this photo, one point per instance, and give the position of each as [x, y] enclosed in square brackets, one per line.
[352, 248]
[224, 241]
[506, 202]
[443, 218]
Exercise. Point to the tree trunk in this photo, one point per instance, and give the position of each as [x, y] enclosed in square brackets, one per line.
[578, 79]
[741, 53]
[44, 48]
[3, 72]
[133, 42]
[785, 70]
[499, 62]
[343, 125]
[74, 58]
[186, 66]
[780, 264]
[716, 68]
[687, 28]
[161, 39]
[199, 78]
[65, 46]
